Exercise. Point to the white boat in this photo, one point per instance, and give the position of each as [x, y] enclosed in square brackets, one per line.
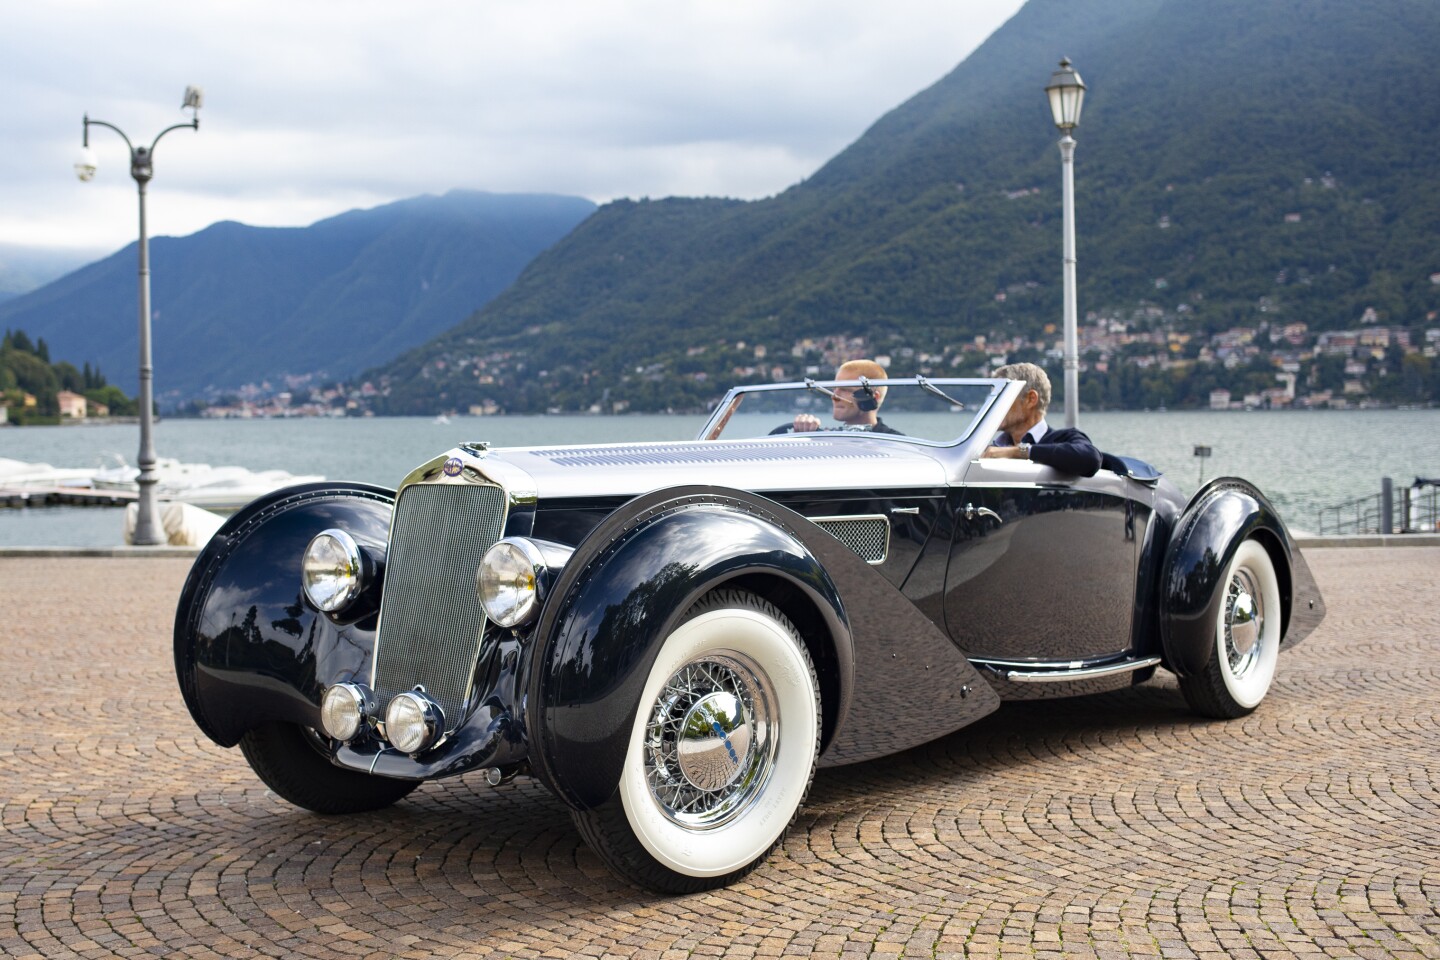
[201, 485]
[19, 474]
[226, 492]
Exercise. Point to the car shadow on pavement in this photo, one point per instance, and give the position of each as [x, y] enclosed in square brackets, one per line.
[1019, 732]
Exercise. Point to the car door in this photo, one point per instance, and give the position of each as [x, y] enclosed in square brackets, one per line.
[1042, 564]
[904, 534]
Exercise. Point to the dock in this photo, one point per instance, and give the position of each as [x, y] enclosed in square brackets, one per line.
[65, 496]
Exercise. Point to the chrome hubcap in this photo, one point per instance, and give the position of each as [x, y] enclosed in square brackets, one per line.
[711, 740]
[1244, 621]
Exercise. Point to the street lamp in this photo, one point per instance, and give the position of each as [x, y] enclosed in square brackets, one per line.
[1067, 94]
[147, 531]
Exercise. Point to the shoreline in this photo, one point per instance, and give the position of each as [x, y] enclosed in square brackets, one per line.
[696, 412]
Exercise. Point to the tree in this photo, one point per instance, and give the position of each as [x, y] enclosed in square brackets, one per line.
[1415, 376]
[25, 369]
[70, 378]
[1330, 373]
[113, 398]
[32, 375]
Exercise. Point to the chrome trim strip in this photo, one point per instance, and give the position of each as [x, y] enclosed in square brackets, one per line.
[1015, 485]
[476, 467]
[1061, 672]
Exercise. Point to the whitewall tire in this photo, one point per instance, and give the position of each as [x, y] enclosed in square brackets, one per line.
[721, 753]
[1245, 637]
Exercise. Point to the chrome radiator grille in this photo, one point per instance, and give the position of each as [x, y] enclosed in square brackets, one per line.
[430, 619]
[868, 536]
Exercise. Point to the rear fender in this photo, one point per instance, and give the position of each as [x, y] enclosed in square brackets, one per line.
[624, 591]
[249, 648]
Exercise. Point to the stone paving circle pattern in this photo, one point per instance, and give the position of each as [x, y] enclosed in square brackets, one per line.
[1105, 826]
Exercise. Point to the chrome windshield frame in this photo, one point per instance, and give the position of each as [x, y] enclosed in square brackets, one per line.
[720, 416]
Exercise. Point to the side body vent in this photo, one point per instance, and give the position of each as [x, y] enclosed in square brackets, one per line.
[868, 535]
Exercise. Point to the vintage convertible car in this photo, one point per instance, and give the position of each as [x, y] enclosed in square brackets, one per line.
[673, 636]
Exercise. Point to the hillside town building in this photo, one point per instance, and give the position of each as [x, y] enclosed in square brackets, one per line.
[72, 405]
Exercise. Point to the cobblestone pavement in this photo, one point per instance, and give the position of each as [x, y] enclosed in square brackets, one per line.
[1103, 826]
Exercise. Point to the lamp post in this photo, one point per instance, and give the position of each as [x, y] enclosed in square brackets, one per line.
[147, 531]
[1067, 94]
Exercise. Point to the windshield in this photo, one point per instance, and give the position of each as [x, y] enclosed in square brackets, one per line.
[937, 411]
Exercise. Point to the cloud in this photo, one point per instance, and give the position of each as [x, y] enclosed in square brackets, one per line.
[313, 108]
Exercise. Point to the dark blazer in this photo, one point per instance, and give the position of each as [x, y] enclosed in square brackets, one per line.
[880, 427]
[1067, 450]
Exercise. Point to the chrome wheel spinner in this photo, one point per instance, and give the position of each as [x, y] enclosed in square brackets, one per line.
[711, 740]
[1244, 622]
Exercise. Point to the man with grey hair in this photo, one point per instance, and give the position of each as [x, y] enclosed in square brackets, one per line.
[1024, 434]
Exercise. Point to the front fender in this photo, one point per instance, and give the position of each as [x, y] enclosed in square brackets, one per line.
[248, 647]
[623, 592]
[1219, 518]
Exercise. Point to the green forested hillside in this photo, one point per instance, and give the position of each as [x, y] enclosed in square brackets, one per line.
[30, 384]
[1240, 166]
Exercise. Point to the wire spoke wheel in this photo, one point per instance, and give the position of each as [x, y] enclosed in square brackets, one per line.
[710, 745]
[721, 753]
[1246, 639]
[1243, 623]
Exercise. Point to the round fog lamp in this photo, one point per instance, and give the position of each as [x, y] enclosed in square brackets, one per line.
[412, 722]
[508, 581]
[330, 570]
[343, 709]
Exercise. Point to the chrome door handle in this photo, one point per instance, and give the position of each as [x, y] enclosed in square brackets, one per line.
[972, 511]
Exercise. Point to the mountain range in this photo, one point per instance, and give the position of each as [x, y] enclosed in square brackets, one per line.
[23, 269]
[1239, 164]
[1241, 167]
[235, 304]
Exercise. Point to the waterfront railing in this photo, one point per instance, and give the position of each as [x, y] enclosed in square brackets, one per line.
[1412, 509]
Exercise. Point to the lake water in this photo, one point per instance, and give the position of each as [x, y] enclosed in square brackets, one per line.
[1303, 460]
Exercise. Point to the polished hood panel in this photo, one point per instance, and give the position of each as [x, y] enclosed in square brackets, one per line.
[785, 463]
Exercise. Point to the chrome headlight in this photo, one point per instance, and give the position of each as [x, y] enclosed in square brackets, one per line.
[331, 570]
[344, 710]
[413, 721]
[508, 581]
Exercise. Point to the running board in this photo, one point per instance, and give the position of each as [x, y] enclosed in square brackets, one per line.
[1062, 672]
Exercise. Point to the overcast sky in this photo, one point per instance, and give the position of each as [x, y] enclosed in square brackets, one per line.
[315, 108]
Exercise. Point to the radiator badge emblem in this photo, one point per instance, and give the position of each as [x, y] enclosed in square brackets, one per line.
[453, 466]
